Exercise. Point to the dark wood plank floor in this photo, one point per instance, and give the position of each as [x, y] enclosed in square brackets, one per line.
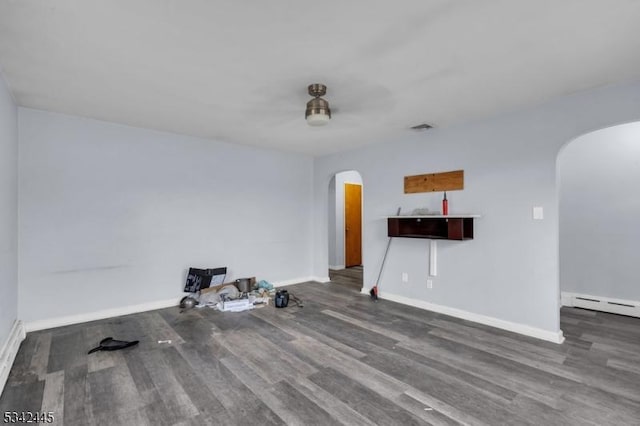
[348, 276]
[340, 359]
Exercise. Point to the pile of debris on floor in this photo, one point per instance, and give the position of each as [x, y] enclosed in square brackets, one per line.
[208, 289]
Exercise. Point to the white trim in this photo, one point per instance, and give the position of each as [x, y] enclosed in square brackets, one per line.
[566, 299]
[599, 303]
[336, 267]
[551, 336]
[292, 281]
[300, 280]
[10, 350]
[98, 315]
[133, 309]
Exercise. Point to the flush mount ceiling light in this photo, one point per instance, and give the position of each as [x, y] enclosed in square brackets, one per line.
[318, 112]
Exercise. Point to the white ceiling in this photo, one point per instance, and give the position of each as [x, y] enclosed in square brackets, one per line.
[238, 70]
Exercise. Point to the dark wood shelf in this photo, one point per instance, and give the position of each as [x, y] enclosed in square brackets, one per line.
[451, 227]
[432, 237]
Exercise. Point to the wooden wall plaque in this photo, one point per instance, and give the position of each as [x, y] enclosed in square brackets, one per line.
[434, 182]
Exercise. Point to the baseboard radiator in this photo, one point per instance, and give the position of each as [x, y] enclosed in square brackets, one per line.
[604, 304]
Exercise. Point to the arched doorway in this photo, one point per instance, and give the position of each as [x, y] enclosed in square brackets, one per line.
[345, 228]
[598, 227]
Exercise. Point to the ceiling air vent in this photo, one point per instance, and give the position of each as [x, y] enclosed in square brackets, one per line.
[423, 126]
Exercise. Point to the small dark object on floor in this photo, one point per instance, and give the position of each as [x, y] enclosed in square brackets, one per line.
[188, 302]
[297, 301]
[374, 293]
[110, 344]
[282, 298]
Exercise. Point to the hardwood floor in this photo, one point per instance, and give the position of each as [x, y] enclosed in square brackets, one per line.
[340, 359]
[351, 276]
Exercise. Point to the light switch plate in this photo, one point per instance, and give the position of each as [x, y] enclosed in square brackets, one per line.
[538, 213]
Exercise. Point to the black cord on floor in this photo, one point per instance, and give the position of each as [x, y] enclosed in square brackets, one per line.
[295, 300]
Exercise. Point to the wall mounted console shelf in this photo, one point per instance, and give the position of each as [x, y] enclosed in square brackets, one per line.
[450, 227]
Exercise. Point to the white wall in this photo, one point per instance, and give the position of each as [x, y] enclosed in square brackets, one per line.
[599, 212]
[8, 212]
[112, 216]
[510, 270]
[336, 248]
[331, 212]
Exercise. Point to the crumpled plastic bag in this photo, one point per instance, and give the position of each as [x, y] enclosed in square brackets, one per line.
[266, 285]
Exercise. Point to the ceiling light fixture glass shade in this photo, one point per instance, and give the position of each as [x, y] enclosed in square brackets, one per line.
[318, 112]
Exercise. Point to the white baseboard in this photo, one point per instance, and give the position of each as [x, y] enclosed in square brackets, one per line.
[300, 280]
[133, 309]
[599, 303]
[566, 299]
[292, 281]
[538, 333]
[336, 267]
[98, 315]
[9, 351]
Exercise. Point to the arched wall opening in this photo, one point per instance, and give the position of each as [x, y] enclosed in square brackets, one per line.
[344, 238]
[598, 225]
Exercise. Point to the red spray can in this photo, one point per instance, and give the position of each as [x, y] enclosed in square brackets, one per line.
[445, 205]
